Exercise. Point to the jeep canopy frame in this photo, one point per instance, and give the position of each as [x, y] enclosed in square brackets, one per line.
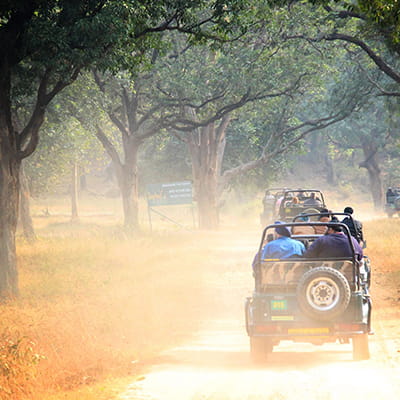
[287, 210]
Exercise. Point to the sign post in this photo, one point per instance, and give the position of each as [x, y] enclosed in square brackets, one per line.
[166, 194]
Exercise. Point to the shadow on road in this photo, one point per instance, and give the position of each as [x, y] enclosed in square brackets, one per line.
[288, 357]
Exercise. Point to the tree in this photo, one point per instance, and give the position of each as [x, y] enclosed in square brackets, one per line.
[137, 119]
[64, 152]
[210, 89]
[373, 26]
[370, 129]
[45, 46]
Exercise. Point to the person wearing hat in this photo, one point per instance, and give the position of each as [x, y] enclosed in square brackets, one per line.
[355, 227]
[283, 246]
[334, 244]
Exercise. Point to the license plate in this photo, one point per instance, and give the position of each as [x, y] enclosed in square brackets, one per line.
[307, 331]
[282, 318]
[278, 305]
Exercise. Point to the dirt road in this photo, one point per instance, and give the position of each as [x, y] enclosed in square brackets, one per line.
[215, 364]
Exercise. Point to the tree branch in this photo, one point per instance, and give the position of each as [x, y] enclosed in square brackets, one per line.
[380, 63]
[108, 146]
[266, 156]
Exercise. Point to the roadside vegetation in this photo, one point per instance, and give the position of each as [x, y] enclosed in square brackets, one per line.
[95, 305]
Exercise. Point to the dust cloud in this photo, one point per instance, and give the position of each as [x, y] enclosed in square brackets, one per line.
[214, 363]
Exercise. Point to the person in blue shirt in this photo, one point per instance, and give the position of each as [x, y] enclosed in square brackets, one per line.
[283, 246]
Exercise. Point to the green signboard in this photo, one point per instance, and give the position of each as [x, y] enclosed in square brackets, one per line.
[164, 194]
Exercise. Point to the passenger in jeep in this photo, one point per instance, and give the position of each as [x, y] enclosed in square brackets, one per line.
[334, 244]
[390, 195]
[321, 229]
[283, 246]
[312, 200]
[305, 229]
[355, 226]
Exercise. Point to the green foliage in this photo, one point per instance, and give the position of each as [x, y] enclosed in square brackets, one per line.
[385, 16]
[163, 158]
[18, 361]
[268, 57]
[64, 142]
[110, 35]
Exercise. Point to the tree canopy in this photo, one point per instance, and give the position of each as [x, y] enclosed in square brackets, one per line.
[47, 44]
[253, 77]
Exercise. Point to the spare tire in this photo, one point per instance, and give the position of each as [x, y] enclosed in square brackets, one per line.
[323, 293]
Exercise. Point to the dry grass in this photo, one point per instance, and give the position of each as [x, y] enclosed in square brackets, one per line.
[98, 305]
[383, 237]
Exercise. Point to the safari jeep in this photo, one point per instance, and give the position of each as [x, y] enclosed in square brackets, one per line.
[392, 205]
[287, 209]
[270, 204]
[308, 300]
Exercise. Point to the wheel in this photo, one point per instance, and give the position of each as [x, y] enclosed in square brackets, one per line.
[360, 347]
[260, 348]
[323, 293]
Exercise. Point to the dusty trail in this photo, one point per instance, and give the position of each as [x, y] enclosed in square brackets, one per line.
[215, 364]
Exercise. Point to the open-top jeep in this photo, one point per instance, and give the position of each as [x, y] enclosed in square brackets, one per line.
[294, 202]
[392, 205]
[271, 201]
[279, 203]
[309, 300]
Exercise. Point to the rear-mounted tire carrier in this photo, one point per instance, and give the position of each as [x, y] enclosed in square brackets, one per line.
[323, 293]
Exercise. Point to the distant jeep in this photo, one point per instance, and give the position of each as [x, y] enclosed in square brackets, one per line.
[271, 203]
[309, 300]
[294, 202]
[392, 205]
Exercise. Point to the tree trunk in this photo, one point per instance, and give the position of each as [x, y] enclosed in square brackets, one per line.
[127, 177]
[9, 204]
[374, 173]
[25, 210]
[9, 190]
[317, 156]
[74, 193]
[207, 201]
[331, 176]
[206, 146]
[15, 145]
